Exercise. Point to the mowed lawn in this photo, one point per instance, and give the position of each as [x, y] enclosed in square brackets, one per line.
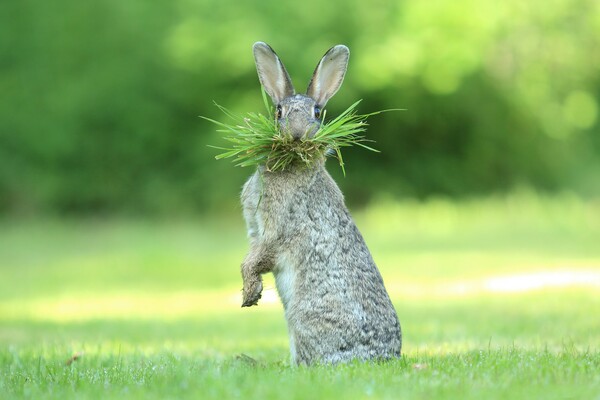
[498, 298]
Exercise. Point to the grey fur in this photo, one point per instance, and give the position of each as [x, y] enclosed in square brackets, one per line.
[335, 302]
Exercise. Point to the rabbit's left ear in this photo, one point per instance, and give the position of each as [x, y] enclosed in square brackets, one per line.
[329, 74]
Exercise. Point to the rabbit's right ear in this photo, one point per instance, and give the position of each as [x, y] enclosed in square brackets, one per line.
[271, 72]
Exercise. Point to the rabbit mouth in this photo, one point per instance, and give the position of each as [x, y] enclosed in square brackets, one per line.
[304, 133]
[308, 134]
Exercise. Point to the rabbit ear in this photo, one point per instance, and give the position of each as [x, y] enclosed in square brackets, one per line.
[272, 73]
[329, 74]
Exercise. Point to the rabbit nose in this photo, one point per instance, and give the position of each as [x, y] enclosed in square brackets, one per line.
[304, 132]
[296, 126]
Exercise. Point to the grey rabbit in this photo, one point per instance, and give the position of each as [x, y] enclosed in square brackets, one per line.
[336, 305]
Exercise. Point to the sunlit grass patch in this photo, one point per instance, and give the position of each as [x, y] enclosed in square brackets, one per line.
[491, 374]
[496, 298]
[76, 306]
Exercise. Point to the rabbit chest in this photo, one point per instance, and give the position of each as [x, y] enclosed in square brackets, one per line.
[293, 216]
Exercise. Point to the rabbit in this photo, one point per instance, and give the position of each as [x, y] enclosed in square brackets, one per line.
[336, 306]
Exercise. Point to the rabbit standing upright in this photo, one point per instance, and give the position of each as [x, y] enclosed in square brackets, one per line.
[335, 302]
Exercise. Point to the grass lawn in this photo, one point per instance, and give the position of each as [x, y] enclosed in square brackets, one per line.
[498, 298]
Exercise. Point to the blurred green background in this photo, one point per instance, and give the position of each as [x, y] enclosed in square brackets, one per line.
[100, 100]
[121, 236]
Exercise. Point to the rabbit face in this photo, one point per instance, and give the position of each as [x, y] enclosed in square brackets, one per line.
[298, 116]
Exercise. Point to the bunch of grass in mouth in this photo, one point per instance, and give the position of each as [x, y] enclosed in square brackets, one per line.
[255, 139]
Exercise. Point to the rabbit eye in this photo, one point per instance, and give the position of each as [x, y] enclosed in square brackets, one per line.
[279, 112]
[317, 112]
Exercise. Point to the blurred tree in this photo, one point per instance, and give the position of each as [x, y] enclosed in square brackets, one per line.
[100, 99]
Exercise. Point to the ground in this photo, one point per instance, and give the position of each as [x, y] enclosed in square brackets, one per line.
[498, 298]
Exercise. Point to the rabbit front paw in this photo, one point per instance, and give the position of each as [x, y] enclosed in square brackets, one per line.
[251, 293]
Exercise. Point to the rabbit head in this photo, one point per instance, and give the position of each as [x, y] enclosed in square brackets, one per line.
[299, 115]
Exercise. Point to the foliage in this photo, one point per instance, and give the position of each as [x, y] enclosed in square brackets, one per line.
[257, 140]
[100, 100]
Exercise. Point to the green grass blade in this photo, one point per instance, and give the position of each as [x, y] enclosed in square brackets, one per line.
[255, 139]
